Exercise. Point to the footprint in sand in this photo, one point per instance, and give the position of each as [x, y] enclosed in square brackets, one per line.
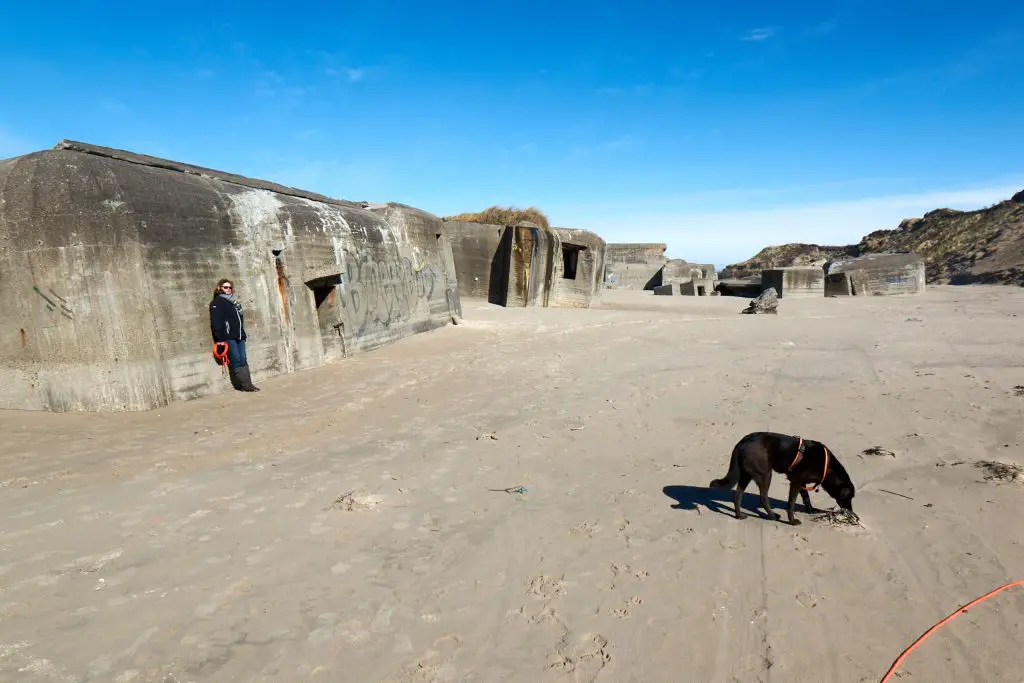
[624, 612]
[437, 663]
[546, 587]
[583, 660]
[584, 529]
[806, 600]
[548, 615]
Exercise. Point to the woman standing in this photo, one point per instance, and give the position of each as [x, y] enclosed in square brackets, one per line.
[227, 323]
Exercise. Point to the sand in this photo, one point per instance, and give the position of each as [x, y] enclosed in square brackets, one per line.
[351, 523]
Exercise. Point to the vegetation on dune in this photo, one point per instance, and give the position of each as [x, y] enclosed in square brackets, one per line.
[959, 247]
[503, 215]
[787, 255]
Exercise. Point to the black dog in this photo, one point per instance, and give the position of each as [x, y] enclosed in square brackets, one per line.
[803, 461]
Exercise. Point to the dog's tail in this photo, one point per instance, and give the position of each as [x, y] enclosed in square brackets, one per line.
[733, 477]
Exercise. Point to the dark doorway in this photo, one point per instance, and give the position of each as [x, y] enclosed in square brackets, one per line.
[326, 298]
[656, 280]
[570, 260]
[497, 287]
[701, 290]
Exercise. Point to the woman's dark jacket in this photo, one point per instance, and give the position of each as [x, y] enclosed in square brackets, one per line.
[226, 321]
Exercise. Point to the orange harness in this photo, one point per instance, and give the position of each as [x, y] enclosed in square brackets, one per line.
[220, 353]
[799, 457]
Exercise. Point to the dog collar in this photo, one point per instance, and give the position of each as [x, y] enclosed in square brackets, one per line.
[800, 456]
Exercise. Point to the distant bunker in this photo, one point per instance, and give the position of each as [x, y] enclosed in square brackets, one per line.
[687, 279]
[634, 265]
[876, 275]
[797, 281]
[109, 261]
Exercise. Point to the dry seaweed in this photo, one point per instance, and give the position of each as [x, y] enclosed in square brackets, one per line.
[837, 517]
[1001, 471]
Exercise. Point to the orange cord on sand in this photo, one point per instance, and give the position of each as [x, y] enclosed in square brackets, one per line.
[899, 660]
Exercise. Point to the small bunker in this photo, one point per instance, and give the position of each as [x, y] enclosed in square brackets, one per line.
[796, 281]
[526, 264]
[876, 275]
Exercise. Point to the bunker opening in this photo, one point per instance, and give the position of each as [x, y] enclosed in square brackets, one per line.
[570, 260]
[329, 314]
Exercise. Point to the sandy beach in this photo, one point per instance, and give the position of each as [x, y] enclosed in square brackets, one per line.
[353, 524]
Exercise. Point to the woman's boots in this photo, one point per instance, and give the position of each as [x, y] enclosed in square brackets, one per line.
[241, 379]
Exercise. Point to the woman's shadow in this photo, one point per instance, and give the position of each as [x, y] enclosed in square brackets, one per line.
[718, 500]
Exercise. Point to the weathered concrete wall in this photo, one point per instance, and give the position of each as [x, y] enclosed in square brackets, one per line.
[578, 268]
[635, 252]
[744, 287]
[526, 265]
[795, 281]
[876, 274]
[838, 284]
[701, 287]
[109, 260]
[481, 253]
[531, 266]
[696, 279]
[415, 224]
[676, 271]
[634, 266]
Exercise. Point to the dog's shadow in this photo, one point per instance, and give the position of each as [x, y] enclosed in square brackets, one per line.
[720, 500]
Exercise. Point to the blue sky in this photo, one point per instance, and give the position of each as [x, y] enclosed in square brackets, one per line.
[718, 129]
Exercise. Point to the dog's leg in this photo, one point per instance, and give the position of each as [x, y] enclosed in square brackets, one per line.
[807, 501]
[741, 486]
[763, 486]
[794, 488]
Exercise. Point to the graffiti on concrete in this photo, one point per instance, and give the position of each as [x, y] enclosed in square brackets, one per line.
[896, 279]
[383, 293]
[54, 302]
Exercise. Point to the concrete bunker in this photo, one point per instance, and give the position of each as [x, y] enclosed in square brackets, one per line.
[634, 265]
[795, 281]
[111, 258]
[687, 279]
[481, 255]
[527, 265]
[876, 275]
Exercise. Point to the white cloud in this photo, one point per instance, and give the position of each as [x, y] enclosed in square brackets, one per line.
[759, 34]
[352, 74]
[729, 236]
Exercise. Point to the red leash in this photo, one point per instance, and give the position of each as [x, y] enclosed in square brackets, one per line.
[899, 660]
[220, 353]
